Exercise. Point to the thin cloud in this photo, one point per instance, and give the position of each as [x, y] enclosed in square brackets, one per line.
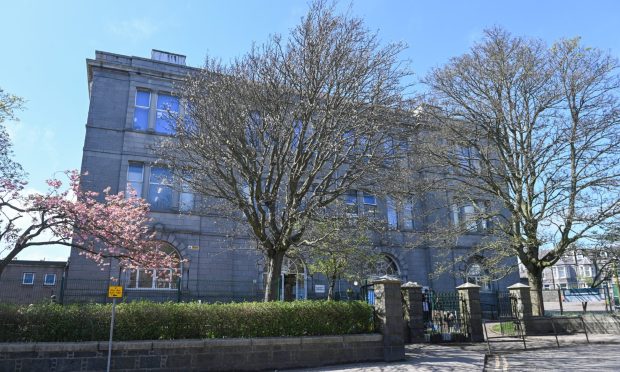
[136, 29]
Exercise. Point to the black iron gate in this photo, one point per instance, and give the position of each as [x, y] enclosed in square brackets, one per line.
[445, 317]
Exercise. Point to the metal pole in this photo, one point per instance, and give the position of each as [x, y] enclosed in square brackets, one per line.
[111, 334]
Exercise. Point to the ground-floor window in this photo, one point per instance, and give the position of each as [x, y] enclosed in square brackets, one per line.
[156, 278]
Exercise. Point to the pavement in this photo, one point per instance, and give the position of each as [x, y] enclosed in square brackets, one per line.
[542, 354]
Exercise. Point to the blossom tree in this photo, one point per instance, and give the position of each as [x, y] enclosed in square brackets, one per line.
[102, 226]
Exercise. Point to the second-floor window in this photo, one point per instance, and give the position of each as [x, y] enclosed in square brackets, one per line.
[135, 179]
[370, 204]
[392, 214]
[470, 217]
[561, 272]
[141, 110]
[156, 185]
[167, 107]
[350, 201]
[160, 188]
[408, 215]
[586, 271]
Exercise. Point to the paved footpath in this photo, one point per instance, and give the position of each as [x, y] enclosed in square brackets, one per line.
[542, 354]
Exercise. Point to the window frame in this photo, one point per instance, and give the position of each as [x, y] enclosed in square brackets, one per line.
[173, 283]
[138, 107]
[53, 283]
[24, 278]
[164, 112]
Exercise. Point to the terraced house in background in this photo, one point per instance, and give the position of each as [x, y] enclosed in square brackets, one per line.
[130, 98]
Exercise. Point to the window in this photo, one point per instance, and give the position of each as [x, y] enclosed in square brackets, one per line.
[297, 127]
[469, 216]
[135, 179]
[50, 279]
[370, 204]
[158, 278]
[350, 201]
[160, 190]
[468, 159]
[586, 271]
[561, 272]
[386, 266]
[186, 198]
[392, 215]
[166, 105]
[141, 110]
[408, 215]
[28, 278]
[475, 275]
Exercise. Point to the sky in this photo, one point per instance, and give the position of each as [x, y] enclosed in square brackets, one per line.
[45, 45]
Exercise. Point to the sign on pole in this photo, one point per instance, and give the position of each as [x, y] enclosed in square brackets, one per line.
[114, 292]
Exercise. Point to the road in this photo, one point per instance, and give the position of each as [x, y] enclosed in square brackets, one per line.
[596, 357]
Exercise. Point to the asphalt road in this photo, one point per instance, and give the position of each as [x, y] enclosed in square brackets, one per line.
[593, 357]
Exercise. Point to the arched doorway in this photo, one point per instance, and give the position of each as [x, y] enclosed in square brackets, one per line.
[293, 282]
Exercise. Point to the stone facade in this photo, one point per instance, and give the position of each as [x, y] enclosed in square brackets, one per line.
[218, 266]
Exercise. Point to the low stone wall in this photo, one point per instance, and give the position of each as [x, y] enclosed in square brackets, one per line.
[594, 323]
[193, 355]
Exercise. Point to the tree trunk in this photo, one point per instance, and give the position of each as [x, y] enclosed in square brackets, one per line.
[332, 285]
[535, 281]
[273, 276]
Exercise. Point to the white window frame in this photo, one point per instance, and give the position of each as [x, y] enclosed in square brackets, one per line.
[130, 182]
[164, 111]
[147, 108]
[562, 272]
[45, 279]
[24, 282]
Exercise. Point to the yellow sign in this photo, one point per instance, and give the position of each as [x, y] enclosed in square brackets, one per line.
[115, 291]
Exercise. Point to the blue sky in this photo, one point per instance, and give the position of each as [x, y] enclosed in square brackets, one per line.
[45, 44]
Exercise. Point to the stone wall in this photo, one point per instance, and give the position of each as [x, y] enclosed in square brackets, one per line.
[594, 323]
[193, 355]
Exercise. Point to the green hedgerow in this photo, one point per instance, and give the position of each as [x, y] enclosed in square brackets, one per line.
[167, 321]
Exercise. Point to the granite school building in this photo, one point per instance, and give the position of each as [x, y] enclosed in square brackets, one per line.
[129, 97]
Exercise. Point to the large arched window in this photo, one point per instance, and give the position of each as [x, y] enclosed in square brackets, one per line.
[386, 266]
[157, 278]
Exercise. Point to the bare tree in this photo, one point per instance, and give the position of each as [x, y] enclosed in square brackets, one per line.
[536, 129]
[283, 131]
[342, 247]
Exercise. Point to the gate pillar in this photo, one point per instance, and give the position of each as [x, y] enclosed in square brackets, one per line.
[471, 311]
[522, 305]
[389, 314]
[414, 312]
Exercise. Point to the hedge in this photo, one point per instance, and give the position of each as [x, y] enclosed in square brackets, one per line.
[153, 321]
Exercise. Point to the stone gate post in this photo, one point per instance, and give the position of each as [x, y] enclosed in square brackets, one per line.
[521, 293]
[389, 313]
[414, 316]
[470, 307]
[522, 307]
